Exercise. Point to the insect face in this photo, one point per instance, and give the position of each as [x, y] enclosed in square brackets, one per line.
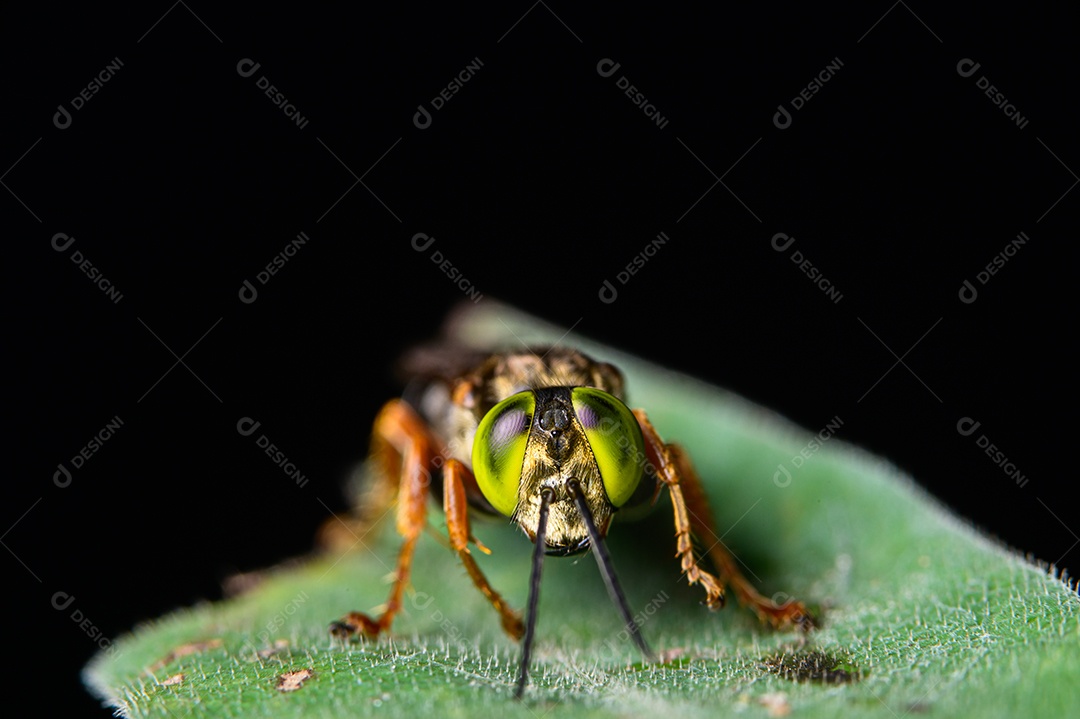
[542, 439]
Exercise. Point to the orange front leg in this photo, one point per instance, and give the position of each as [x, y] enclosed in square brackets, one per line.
[455, 504]
[408, 444]
[692, 517]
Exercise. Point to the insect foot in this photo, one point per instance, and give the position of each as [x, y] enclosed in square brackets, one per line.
[513, 625]
[355, 625]
[785, 612]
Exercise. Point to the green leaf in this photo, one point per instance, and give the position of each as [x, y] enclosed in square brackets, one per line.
[921, 614]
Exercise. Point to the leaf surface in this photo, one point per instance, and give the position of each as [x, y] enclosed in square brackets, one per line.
[921, 613]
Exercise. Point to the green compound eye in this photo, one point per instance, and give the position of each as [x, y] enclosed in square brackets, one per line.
[615, 437]
[499, 450]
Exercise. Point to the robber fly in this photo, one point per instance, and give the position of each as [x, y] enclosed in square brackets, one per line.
[541, 436]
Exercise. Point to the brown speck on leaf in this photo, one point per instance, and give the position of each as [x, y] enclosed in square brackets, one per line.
[173, 680]
[183, 651]
[776, 703]
[291, 681]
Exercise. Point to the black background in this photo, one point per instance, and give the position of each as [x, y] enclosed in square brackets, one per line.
[540, 180]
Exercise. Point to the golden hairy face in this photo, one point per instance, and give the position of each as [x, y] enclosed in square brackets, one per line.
[543, 438]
